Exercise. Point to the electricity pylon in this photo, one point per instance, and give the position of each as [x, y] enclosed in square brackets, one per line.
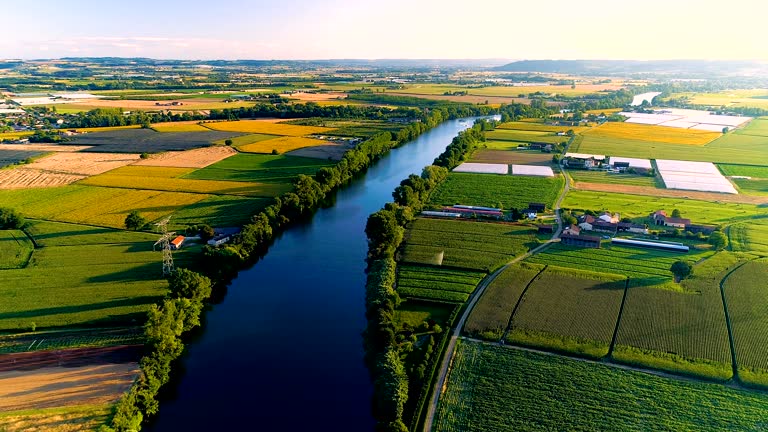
[165, 244]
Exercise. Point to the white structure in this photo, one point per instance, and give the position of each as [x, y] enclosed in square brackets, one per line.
[698, 176]
[482, 168]
[532, 170]
[633, 162]
[687, 119]
[638, 99]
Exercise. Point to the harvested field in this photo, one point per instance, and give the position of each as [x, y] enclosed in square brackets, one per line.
[671, 193]
[151, 105]
[149, 141]
[327, 152]
[265, 127]
[67, 419]
[314, 97]
[521, 157]
[281, 145]
[660, 134]
[61, 386]
[179, 127]
[196, 158]
[83, 164]
[21, 178]
[43, 148]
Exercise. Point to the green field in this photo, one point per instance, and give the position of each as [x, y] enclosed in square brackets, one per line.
[747, 298]
[613, 178]
[413, 313]
[744, 170]
[524, 136]
[634, 206]
[491, 190]
[259, 168]
[495, 389]
[749, 236]
[645, 267]
[15, 249]
[569, 310]
[435, 283]
[752, 187]
[490, 317]
[683, 332]
[219, 211]
[467, 245]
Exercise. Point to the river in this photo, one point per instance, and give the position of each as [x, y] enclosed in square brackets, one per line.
[283, 350]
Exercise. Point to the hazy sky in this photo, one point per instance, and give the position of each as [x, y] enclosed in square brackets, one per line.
[303, 29]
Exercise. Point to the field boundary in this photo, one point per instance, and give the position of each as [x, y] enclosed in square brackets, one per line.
[734, 360]
[519, 301]
[618, 320]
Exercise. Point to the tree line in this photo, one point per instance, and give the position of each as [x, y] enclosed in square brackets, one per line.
[394, 382]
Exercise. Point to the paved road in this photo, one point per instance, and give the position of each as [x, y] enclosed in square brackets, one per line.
[447, 358]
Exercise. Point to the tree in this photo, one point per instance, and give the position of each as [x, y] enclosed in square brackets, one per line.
[568, 219]
[185, 283]
[718, 240]
[228, 142]
[676, 213]
[206, 232]
[725, 130]
[135, 221]
[681, 269]
[11, 219]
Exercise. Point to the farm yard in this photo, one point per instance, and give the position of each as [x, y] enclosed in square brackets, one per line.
[493, 388]
[436, 283]
[569, 310]
[747, 301]
[467, 245]
[490, 190]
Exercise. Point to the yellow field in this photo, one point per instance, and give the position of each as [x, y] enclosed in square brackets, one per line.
[14, 135]
[540, 127]
[266, 127]
[105, 129]
[150, 171]
[169, 184]
[754, 98]
[179, 127]
[282, 145]
[662, 134]
[608, 111]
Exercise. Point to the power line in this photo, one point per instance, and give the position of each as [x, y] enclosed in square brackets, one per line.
[165, 243]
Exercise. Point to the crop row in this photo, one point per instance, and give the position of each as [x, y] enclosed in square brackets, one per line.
[493, 190]
[431, 294]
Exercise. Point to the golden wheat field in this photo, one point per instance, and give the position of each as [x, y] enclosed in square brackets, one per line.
[282, 145]
[266, 127]
[662, 134]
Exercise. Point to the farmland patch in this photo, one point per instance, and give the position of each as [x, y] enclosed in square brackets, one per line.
[493, 191]
[435, 283]
[281, 145]
[195, 158]
[266, 127]
[149, 141]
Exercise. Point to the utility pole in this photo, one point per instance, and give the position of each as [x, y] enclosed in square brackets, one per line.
[165, 243]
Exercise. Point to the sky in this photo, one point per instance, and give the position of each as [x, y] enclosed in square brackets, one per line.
[386, 29]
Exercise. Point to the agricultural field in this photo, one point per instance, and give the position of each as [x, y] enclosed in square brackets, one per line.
[493, 389]
[11, 157]
[149, 141]
[568, 310]
[681, 332]
[265, 127]
[658, 134]
[747, 300]
[520, 157]
[15, 249]
[99, 206]
[48, 233]
[195, 158]
[219, 211]
[179, 127]
[168, 179]
[490, 190]
[490, 317]
[754, 98]
[645, 267]
[81, 163]
[65, 419]
[752, 187]
[604, 177]
[281, 145]
[541, 127]
[435, 283]
[508, 91]
[750, 236]
[247, 139]
[754, 171]
[63, 339]
[412, 313]
[468, 245]
[640, 206]
[524, 136]
[260, 168]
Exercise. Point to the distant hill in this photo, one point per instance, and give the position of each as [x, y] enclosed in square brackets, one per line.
[623, 67]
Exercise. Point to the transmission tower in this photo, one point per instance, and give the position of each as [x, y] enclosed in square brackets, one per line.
[165, 245]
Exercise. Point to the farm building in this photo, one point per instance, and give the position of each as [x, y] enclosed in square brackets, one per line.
[704, 229]
[632, 227]
[660, 218]
[475, 212]
[610, 218]
[545, 229]
[177, 242]
[443, 214]
[583, 161]
[622, 164]
[607, 227]
[573, 229]
[677, 247]
[586, 221]
[537, 207]
[580, 241]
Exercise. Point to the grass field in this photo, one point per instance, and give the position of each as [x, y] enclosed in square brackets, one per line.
[265, 127]
[15, 249]
[679, 332]
[95, 205]
[660, 134]
[468, 245]
[179, 127]
[165, 179]
[613, 178]
[490, 317]
[750, 236]
[646, 267]
[491, 190]
[219, 211]
[435, 283]
[83, 418]
[412, 313]
[495, 389]
[259, 168]
[541, 127]
[518, 136]
[747, 299]
[633, 206]
[48, 233]
[247, 139]
[744, 170]
[568, 310]
[281, 145]
[521, 157]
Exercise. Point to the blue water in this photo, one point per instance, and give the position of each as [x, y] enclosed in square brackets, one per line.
[283, 350]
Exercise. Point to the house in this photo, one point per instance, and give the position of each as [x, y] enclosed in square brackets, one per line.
[586, 221]
[607, 217]
[545, 229]
[537, 207]
[580, 241]
[573, 229]
[219, 240]
[658, 217]
[583, 161]
[632, 227]
[602, 226]
[177, 242]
